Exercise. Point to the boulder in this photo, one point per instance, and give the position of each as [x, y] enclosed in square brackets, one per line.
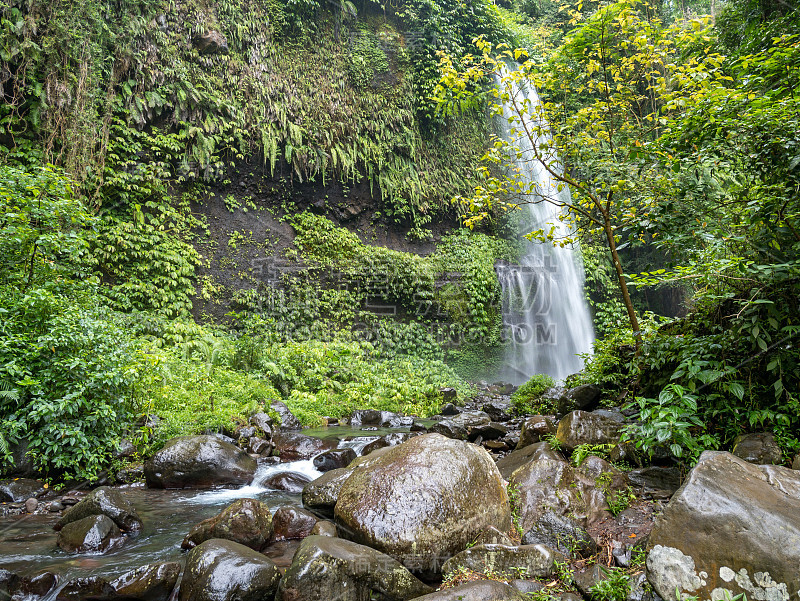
[263, 423]
[198, 462]
[332, 568]
[733, 527]
[21, 489]
[423, 501]
[546, 484]
[516, 459]
[535, 428]
[288, 420]
[293, 446]
[287, 481]
[222, 570]
[490, 431]
[32, 587]
[320, 495]
[104, 501]
[562, 534]
[334, 459]
[79, 589]
[450, 409]
[498, 410]
[481, 590]
[259, 446]
[659, 482]
[585, 396]
[31, 505]
[526, 561]
[292, 523]
[390, 440]
[461, 426]
[581, 427]
[246, 521]
[324, 528]
[759, 448]
[93, 534]
[153, 582]
[211, 42]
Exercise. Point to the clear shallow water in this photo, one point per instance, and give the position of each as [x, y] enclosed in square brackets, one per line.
[28, 543]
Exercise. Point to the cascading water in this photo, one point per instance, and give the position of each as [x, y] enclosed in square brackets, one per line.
[546, 319]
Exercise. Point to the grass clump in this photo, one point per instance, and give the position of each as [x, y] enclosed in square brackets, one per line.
[527, 398]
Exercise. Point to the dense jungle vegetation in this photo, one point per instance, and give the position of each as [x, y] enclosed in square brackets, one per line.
[129, 127]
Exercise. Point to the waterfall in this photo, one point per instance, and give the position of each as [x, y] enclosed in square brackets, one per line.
[546, 319]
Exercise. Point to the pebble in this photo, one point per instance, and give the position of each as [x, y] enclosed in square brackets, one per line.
[31, 505]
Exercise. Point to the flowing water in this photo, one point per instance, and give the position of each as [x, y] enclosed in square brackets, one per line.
[546, 318]
[28, 543]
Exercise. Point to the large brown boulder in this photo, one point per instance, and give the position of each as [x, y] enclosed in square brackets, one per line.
[153, 582]
[198, 462]
[733, 527]
[423, 501]
[327, 568]
[245, 521]
[516, 459]
[221, 570]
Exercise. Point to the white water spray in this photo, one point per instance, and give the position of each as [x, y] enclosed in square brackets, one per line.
[545, 315]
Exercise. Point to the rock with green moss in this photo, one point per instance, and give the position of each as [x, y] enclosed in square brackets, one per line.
[581, 427]
[325, 567]
[104, 501]
[423, 501]
[245, 521]
[482, 590]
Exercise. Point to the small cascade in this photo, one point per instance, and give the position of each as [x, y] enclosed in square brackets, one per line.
[546, 318]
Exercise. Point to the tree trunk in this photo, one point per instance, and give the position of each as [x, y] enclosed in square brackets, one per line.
[623, 285]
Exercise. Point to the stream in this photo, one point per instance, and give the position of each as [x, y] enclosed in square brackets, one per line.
[28, 542]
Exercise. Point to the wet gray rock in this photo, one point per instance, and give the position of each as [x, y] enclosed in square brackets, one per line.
[130, 473]
[93, 534]
[259, 446]
[498, 410]
[21, 489]
[585, 396]
[320, 495]
[153, 582]
[245, 432]
[462, 425]
[293, 446]
[526, 587]
[288, 420]
[288, 481]
[423, 501]
[125, 449]
[198, 462]
[449, 409]
[515, 460]
[245, 521]
[482, 590]
[546, 484]
[733, 527]
[659, 482]
[562, 534]
[759, 448]
[614, 414]
[528, 561]
[490, 431]
[535, 428]
[211, 42]
[263, 423]
[291, 522]
[31, 505]
[332, 568]
[222, 570]
[104, 501]
[334, 459]
[581, 427]
[79, 589]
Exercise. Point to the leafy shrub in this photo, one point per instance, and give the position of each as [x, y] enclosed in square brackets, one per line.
[614, 587]
[526, 396]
